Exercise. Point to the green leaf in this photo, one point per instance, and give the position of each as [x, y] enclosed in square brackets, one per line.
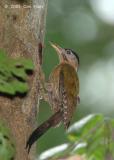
[91, 137]
[19, 72]
[81, 127]
[2, 54]
[22, 87]
[96, 131]
[27, 64]
[56, 151]
[13, 74]
[7, 147]
[6, 87]
[80, 148]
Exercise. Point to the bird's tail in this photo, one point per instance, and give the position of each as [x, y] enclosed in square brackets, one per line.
[38, 132]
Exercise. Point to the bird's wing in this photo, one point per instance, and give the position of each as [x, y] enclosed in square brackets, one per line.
[68, 92]
[63, 99]
[65, 89]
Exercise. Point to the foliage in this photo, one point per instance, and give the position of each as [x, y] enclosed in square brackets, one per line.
[7, 148]
[13, 74]
[92, 137]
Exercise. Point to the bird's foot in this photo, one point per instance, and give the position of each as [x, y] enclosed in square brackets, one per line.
[78, 99]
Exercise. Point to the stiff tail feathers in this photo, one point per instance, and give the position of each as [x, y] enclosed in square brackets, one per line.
[43, 128]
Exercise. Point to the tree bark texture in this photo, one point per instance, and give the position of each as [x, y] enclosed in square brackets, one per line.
[22, 28]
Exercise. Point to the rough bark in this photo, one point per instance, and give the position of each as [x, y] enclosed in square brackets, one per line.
[22, 28]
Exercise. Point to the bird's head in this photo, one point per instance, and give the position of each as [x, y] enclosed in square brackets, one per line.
[67, 56]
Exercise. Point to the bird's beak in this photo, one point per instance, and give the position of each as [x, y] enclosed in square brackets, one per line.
[58, 49]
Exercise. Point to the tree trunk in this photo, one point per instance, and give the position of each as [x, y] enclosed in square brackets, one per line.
[22, 28]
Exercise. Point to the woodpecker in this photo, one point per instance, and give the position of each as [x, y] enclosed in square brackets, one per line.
[63, 94]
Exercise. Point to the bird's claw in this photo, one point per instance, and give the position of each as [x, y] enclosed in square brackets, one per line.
[78, 99]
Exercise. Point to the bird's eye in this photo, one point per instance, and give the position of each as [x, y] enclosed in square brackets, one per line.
[68, 52]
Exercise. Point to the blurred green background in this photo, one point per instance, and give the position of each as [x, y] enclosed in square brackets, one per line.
[87, 27]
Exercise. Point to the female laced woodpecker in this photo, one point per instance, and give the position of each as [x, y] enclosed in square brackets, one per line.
[64, 92]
